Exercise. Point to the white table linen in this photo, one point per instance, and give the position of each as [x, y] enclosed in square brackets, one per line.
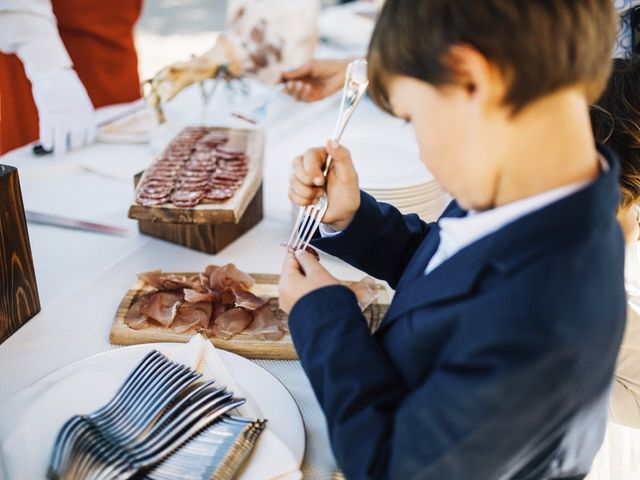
[83, 276]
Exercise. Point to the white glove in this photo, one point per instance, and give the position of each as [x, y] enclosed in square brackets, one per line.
[67, 118]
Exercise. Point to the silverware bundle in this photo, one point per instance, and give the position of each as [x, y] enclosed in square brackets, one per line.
[161, 420]
[217, 453]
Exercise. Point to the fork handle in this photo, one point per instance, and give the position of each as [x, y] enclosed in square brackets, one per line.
[327, 166]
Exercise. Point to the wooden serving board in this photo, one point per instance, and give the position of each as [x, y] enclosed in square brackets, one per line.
[266, 285]
[229, 211]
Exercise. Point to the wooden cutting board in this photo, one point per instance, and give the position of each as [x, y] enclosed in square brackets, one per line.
[229, 211]
[266, 285]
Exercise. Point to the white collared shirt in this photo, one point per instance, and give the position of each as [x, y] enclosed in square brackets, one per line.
[458, 233]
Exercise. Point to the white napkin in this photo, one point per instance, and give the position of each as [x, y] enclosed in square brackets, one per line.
[30, 420]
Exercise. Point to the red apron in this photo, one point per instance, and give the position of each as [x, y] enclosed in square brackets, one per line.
[98, 35]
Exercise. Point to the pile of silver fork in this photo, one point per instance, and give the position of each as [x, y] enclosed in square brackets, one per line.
[161, 407]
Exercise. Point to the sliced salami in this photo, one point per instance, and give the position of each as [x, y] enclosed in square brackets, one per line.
[196, 165]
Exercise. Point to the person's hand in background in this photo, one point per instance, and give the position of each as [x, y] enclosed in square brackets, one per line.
[66, 114]
[316, 79]
[307, 184]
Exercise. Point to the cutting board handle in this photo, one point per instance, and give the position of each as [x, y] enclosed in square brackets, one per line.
[19, 301]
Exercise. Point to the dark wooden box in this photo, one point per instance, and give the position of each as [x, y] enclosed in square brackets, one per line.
[19, 301]
[206, 237]
[210, 227]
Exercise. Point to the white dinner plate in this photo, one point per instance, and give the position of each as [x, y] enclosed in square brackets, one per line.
[101, 375]
[415, 202]
[435, 196]
[383, 164]
[417, 190]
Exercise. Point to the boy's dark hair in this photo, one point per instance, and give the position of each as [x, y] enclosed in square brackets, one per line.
[541, 46]
[616, 122]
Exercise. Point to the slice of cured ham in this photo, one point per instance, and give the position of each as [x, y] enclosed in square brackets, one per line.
[161, 281]
[265, 325]
[134, 317]
[162, 308]
[366, 291]
[227, 276]
[248, 300]
[193, 296]
[231, 323]
[191, 315]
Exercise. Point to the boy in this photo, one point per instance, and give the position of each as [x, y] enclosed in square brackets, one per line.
[496, 356]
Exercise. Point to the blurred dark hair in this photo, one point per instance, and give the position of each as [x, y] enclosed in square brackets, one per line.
[616, 123]
[539, 45]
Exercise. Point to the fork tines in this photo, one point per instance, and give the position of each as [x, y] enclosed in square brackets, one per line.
[161, 407]
[306, 225]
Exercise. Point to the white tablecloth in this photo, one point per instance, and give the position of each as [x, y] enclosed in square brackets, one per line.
[83, 276]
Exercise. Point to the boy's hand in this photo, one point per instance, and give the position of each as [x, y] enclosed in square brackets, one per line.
[315, 80]
[301, 274]
[306, 184]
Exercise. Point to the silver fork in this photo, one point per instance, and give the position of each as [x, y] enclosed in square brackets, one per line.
[139, 376]
[157, 379]
[309, 217]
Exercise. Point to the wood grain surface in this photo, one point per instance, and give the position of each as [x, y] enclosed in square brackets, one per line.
[229, 211]
[19, 300]
[206, 238]
[266, 285]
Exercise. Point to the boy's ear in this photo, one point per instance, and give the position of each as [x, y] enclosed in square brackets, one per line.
[470, 70]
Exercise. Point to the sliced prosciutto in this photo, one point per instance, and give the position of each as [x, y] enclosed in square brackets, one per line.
[227, 276]
[218, 301]
[134, 317]
[193, 296]
[366, 291]
[231, 322]
[248, 300]
[161, 281]
[265, 325]
[163, 307]
[190, 315]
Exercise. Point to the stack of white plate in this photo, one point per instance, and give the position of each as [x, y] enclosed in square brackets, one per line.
[393, 173]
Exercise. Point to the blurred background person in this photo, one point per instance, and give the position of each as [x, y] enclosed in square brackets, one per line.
[59, 61]
[321, 78]
[624, 46]
[616, 123]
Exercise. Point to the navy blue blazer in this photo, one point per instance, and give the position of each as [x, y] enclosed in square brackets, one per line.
[497, 364]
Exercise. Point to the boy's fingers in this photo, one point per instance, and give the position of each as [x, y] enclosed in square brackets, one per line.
[300, 172]
[342, 164]
[312, 161]
[308, 262]
[303, 190]
[298, 200]
[291, 264]
[290, 268]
